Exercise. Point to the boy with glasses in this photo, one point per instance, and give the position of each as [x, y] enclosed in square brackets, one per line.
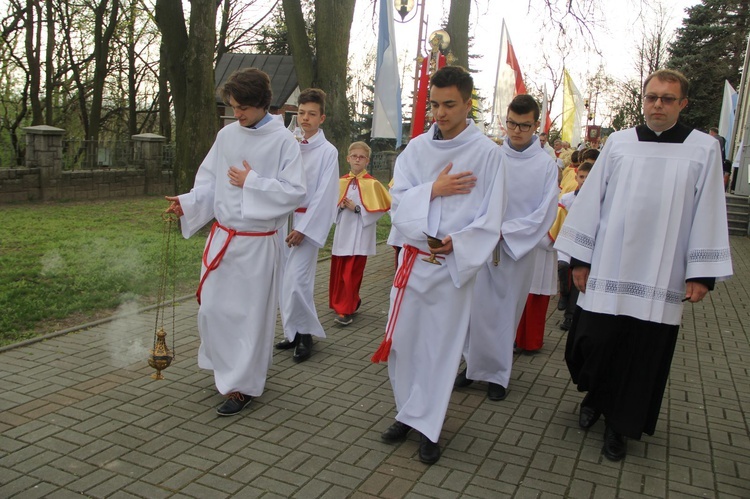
[362, 201]
[503, 282]
[648, 231]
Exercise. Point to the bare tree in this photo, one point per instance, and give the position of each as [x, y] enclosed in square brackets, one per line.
[105, 22]
[626, 103]
[238, 28]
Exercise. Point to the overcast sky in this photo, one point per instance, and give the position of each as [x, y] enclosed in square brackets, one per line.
[618, 28]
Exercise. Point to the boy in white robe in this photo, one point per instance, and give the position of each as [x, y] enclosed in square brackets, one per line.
[251, 179]
[311, 223]
[648, 231]
[504, 281]
[429, 309]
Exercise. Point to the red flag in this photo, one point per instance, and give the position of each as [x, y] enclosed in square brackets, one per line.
[420, 106]
[546, 120]
[513, 63]
[420, 111]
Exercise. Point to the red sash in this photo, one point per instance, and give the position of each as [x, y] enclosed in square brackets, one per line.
[214, 264]
[399, 282]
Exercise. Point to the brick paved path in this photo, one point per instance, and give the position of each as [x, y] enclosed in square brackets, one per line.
[80, 416]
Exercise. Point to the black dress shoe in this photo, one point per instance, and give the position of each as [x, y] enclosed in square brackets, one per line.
[396, 432]
[615, 446]
[562, 303]
[235, 402]
[303, 350]
[587, 416]
[286, 344]
[496, 392]
[429, 451]
[566, 323]
[461, 380]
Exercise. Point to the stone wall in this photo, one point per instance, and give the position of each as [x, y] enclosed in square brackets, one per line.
[43, 178]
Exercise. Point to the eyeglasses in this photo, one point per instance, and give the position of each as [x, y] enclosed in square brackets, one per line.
[512, 125]
[667, 100]
[358, 157]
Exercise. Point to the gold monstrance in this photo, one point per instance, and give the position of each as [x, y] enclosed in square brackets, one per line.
[161, 357]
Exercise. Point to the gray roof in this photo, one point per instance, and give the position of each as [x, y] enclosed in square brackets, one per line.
[279, 68]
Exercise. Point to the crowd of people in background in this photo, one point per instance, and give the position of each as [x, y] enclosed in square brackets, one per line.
[486, 235]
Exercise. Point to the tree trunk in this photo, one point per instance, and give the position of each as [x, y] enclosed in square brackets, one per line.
[458, 29]
[325, 69]
[132, 70]
[102, 39]
[165, 117]
[32, 58]
[49, 67]
[304, 60]
[190, 70]
[332, 52]
[221, 45]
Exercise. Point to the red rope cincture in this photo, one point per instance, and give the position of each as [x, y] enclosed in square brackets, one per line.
[300, 210]
[399, 282]
[214, 264]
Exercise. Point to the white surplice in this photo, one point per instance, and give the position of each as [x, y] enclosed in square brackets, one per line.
[544, 269]
[501, 290]
[433, 320]
[650, 216]
[314, 220]
[237, 315]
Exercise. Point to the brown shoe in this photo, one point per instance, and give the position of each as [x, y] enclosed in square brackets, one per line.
[235, 402]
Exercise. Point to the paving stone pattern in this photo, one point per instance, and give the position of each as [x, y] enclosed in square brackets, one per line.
[81, 417]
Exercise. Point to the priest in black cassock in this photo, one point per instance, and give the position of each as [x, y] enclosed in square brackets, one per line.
[647, 233]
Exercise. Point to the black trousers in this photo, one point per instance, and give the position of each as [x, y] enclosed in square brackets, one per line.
[623, 363]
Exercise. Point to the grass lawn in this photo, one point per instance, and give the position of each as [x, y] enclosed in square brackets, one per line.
[65, 264]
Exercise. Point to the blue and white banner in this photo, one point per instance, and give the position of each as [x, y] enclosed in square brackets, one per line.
[386, 115]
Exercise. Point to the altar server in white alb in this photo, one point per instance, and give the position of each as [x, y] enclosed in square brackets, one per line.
[504, 281]
[648, 231]
[449, 183]
[311, 223]
[250, 181]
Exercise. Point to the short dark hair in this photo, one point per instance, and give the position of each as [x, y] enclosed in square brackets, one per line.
[249, 87]
[314, 95]
[584, 167]
[454, 76]
[672, 76]
[524, 104]
[574, 157]
[544, 133]
[714, 129]
[589, 154]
